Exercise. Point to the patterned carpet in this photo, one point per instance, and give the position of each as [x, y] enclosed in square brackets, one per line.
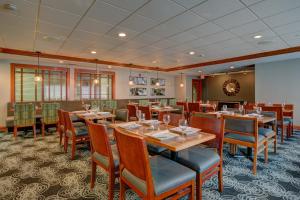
[40, 170]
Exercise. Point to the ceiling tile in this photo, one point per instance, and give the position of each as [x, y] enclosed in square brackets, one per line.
[266, 33]
[94, 26]
[276, 43]
[25, 9]
[288, 28]
[115, 31]
[189, 3]
[271, 7]
[206, 29]
[164, 44]
[213, 9]
[250, 2]
[58, 17]
[211, 39]
[78, 7]
[293, 39]
[236, 19]
[127, 4]
[249, 28]
[146, 38]
[47, 45]
[106, 42]
[107, 13]
[183, 37]
[74, 46]
[53, 29]
[84, 36]
[163, 30]
[138, 23]
[283, 18]
[18, 23]
[161, 10]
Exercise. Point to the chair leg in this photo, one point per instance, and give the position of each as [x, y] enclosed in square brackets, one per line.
[43, 129]
[93, 175]
[220, 177]
[282, 130]
[111, 186]
[254, 161]
[34, 131]
[60, 132]
[199, 183]
[192, 194]
[15, 131]
[266, 152]
[122, 190]
[66, 144]
[275, 143]
[73, 148]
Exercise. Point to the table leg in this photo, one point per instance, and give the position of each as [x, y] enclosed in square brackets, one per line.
[174, 155]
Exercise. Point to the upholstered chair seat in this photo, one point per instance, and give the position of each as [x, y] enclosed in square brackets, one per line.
[155, 149]
[244, 138]
[105, 160]
[166, 175]
[265, 132]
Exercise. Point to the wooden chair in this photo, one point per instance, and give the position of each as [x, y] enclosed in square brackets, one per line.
[244, 131]
[132, 112]
[206, 162]
[77, 134]
[172, 102]
[121, 115]
[144, 102]
[206, 115]
[174, 118]
[104, 155]
[147, 111]
[24, 116]
[49, 115]
[193, 107]
[281, 123]
[289, 116]
[61, 125]
[151, 178]
[184, 104]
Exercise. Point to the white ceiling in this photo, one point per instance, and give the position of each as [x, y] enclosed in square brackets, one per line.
[160, 30]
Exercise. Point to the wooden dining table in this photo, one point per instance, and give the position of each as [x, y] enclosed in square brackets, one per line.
[86, 115]
[163, 109]
[175, 145]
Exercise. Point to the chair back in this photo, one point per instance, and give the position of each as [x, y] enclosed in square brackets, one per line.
[144, 102]
[194, 107]
[100, 142]
[68, 123]
[261, 104]
[61, 119]
[289, 106]
[163, 102]
[249, 106]
[247, 126]
[131, 110]
[174, 118]
[180, 109]
[210, 125]
[206, 115]
[277, 109]
[96, 104]
[147, 111]
[24, 114]
[49, 113]
[122, 115]
[134, 158]
[172, 102]
[184, 104]
[109, 105]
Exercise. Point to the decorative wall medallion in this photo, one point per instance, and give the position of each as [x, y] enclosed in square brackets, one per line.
[231, 87]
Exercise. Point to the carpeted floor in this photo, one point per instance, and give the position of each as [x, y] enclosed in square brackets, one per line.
[40, 170]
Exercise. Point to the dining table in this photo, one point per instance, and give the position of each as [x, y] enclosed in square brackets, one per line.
[163, 109]
[93, 116]
[176, 144]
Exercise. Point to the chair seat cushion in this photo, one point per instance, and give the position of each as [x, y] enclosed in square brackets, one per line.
[155, 149]
[81, 131]
[244, 138]
[288, 119]
[285, 122]
[104, 159]
[198, 158]
[166, 175]
[265, 132]
[78, 124]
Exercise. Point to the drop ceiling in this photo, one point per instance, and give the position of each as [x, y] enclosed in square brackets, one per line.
[164, 31]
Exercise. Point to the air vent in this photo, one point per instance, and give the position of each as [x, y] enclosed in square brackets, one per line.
[264, 42]
[10, 6]
[50, 38]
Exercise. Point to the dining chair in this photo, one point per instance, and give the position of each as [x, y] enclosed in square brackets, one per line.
[103, 155]
[153, 177]
[204, 114]
[243, 131]
[147, 111]
[174, 118]
[76, 134]
[132, 112]
[24, 116]
[172, 102]
[180, 109]
[109, 105]
[49, 115]
[61, 125]
[194, 107]
[144, 102]
[163, 102]
[184, 104]
[281, 123]
[121, 115]
[96, 104]
[205, 161]
[289, 116]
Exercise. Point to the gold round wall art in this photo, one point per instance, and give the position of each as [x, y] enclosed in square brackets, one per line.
[231, 87]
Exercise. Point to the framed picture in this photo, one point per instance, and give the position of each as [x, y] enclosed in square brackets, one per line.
[138, 91]
[158, 91]
[138, 80]
[162, 82]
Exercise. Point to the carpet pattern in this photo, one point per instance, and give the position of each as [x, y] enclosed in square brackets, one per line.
[40, 170]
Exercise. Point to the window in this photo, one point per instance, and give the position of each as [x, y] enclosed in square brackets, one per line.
[53, 87]
[87, 89]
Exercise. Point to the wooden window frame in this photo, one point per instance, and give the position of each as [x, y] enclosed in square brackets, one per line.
[78, 71]
[13, 66]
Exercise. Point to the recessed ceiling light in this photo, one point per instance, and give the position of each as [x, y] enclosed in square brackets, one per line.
[257, 36]
[109, 66]
[192, 52]
[154, 61]
[61, 61]
[231, 67]
[122, 34]
[93, 52]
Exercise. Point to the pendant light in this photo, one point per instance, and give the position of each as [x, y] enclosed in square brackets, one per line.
[181, 82]
[157, 80]
[130, 79]
[38, 77]
[96, 80]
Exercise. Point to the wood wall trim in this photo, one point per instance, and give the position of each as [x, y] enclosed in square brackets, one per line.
[128, 65]
[236, 59]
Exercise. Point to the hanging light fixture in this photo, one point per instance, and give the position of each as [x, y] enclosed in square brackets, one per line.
[96, 80]
[130, 79]
[181, 82]
[38, 77]
[157, 80]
